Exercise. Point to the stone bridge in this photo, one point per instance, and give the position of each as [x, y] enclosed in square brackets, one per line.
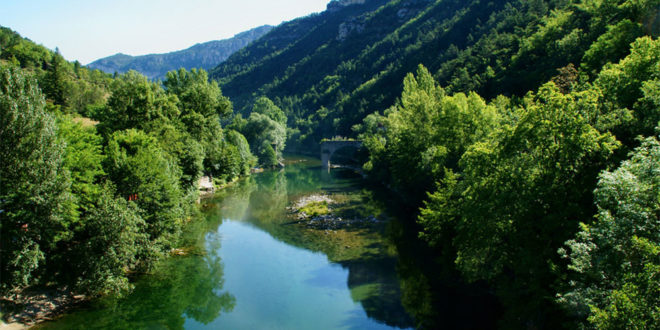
[329, 147]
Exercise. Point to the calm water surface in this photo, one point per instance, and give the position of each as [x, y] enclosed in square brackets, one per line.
[254, 266]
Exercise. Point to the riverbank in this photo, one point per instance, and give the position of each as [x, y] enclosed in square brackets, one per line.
[36, 305]
[33, 306]
[323, 212]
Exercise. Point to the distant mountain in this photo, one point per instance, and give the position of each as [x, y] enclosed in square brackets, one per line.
[205, 55]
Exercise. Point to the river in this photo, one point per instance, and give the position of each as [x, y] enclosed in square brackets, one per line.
[251, 264]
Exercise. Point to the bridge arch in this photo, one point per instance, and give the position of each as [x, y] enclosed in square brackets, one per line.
[328, 148]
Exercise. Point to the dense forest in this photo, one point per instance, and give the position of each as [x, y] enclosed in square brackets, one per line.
[100, 173]
[527, 137]
[329, 70]
[522, 135]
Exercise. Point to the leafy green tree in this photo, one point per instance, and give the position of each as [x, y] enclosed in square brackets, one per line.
[83, 158]
[425, 133]
[33, 183]
[516, 195]
[56, 83]
[202, 104]
[615, 262]
[611, 46]
[541, 172]
[143, 174]
[110, 243]
[134, 103]
[265, 106]
[237, 139]
[236, 156]
[182, 149]
[624, 84]
[196, 93]
[268, 157]
[263, 133]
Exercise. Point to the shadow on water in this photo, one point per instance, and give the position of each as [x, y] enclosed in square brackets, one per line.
[391, 274]
[186, 287]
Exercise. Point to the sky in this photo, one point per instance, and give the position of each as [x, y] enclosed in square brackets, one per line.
[86, 30]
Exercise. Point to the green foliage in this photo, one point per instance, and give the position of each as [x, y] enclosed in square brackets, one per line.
[424, 134]
[181, 148]
[55, 83]
[33, 183]
[611, 46]
[112, 236]
[314, 209]
[265, 131]
[67, 85]
[196, 94]
[237, 159]
[265, 106]
[84, 209]
[83, 160]
[267, 155]
[22, 51]
[134, 103]
[139, 168]
[615, 262]
[629, 85]
[552, 151]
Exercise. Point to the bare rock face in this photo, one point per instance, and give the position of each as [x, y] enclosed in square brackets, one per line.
[349, 27]
[410, 9]
[338, 4]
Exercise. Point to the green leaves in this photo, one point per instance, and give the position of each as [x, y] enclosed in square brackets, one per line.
[426, 132]
[265, 131]
[616, 260]
[141, 171]
[115, 237]
[33, 183]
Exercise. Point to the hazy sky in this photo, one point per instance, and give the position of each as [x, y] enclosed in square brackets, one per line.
[86, 30]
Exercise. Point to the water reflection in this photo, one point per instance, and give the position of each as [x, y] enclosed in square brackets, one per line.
[369, 258]
[252, 265]
[180, 289]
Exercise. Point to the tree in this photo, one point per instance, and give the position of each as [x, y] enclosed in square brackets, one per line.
[56, 83]
[624, 84]
[83, 159]
[112, 238]
[135, 102]
[236, 156]
[615, 262]
[196, 93]
[143, 174]
[265, 106]
[33, 183]
[263, 133]
[424, 134]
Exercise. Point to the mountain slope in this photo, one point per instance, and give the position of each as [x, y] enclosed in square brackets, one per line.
[328, 71]
[205, 55]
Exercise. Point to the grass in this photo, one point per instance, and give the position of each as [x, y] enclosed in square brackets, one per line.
[85, 122]
[314, 209]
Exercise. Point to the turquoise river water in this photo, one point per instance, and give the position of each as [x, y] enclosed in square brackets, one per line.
[251, 264]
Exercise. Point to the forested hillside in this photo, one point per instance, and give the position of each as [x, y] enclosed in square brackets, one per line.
[98, 175]
[205, 56]
[328, 71]
[520, 135]
[527, 138]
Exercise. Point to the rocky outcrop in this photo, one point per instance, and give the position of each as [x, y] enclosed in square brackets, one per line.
[339, 4]
[354, 25]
